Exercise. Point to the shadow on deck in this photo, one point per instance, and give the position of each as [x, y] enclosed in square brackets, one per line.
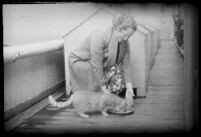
[161, 111]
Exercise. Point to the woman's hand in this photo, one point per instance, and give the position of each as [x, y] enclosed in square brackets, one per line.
[104, 89]
[129, 93]
[129, 90]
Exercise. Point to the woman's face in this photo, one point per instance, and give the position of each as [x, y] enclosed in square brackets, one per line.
[125, 34]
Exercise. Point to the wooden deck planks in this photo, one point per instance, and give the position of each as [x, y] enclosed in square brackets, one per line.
[165, 97]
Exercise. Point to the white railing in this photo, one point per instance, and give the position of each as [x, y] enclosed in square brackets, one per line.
[13, 53]
[180, 50]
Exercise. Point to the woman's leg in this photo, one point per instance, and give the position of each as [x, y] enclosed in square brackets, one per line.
[81, 76]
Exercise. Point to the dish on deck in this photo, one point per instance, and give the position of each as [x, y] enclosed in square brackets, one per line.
[123, 113]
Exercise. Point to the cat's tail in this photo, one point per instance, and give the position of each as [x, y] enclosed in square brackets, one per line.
[59, 104]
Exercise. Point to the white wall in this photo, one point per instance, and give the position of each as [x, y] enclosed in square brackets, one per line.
[30, 23]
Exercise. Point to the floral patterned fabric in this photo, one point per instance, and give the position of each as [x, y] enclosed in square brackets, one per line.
[116, 82]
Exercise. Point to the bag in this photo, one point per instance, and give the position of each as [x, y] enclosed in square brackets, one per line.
[115, 78]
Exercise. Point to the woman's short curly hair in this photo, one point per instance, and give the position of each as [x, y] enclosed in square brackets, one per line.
[125, 21]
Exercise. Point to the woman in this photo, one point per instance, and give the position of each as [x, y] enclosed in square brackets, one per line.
[102, 61]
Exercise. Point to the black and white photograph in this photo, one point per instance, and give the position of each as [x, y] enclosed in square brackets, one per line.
[87, 67]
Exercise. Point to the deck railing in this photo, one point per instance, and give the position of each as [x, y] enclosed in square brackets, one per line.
[180, 50]
[13, 53]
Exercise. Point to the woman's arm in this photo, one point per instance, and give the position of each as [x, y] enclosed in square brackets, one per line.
[97, 56]
[126, 66]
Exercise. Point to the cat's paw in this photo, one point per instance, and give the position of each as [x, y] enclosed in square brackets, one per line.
[83, 115]
[105, 114]
[87, 116]
[52, 101]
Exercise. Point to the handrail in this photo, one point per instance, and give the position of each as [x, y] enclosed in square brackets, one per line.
[181, 51]
[144, 26]
[13, 53]
[142, 30]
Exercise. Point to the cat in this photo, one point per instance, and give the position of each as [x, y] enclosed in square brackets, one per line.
[88, 101]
